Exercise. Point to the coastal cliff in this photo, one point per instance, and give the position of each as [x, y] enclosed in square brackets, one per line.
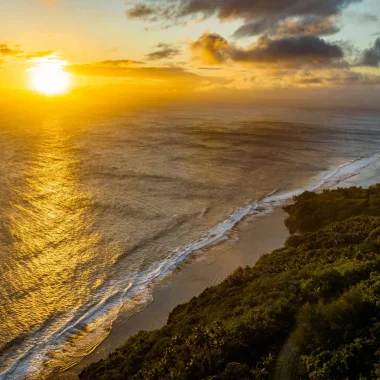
[318, 295]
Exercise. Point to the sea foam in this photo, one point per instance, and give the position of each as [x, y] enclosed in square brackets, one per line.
[91, 324]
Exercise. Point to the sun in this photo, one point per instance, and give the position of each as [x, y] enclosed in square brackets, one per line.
[48, 77]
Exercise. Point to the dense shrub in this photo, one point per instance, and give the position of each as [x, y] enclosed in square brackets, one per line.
[320, 292]
[311, 211]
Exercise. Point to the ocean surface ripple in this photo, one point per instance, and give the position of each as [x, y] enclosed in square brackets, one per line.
[95, 210]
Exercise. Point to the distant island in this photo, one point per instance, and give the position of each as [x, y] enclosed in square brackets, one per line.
[310, 310]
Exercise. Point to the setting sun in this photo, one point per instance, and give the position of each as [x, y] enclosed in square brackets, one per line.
[153, 153]
[49, 77]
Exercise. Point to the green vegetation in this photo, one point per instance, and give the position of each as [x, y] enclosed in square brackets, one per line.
[320, 292]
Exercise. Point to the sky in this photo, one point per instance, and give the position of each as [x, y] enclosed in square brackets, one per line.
[194, 45]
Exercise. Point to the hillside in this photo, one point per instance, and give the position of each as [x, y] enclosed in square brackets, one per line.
[319, 294]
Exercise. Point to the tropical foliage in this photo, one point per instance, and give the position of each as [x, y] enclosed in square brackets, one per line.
[321, 292]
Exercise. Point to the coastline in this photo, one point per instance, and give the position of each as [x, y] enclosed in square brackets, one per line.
[254, 236]
[298, 295]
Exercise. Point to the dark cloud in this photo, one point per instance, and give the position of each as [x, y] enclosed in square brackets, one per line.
[214, 49]
[348, 47]
[163, 51]
[256, 27]
[306, 48]
[140, 11]
[312, 25]
[260, 16]
[308, 26]
[371, 56]
[252, 9]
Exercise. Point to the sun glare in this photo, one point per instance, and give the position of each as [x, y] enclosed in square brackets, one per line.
[48, 77]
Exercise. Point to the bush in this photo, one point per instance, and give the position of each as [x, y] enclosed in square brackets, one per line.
[321, 291]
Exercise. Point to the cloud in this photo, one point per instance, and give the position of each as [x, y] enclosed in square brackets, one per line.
[140, 11]
[273, 77]
[163, 51]
[368, 17]
[259, 16]
[7, 50]
[209, 68]
[359, 17]
[120, 63]
[19, 52]
[256, 27]
[304, 49]
[343, 78]
[334, 77]
[371, 56]
[150, 78]
[211, 48]
[115, 69]
[39, 54]
[308, 26]
[251, 9]
[312, 25]
[310, 80]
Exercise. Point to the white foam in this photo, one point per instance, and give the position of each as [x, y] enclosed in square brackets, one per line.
[100, 316]
[267, 204]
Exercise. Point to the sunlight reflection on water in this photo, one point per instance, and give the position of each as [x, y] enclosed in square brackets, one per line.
[56, 262]
[92, 212]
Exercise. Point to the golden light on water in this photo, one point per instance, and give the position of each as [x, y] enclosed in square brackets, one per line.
[48, 77]
[57, 260]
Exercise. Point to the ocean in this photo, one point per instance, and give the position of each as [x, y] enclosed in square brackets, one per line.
[95, 209]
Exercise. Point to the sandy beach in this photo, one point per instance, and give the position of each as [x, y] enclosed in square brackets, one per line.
[254, 237]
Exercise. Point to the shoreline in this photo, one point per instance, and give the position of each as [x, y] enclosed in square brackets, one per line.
[252, 238]
[325, 273]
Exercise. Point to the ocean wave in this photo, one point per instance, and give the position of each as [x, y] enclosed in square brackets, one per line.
[262, 206]
[82, 332]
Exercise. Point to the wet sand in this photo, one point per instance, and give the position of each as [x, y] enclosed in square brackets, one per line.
[254, 237]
